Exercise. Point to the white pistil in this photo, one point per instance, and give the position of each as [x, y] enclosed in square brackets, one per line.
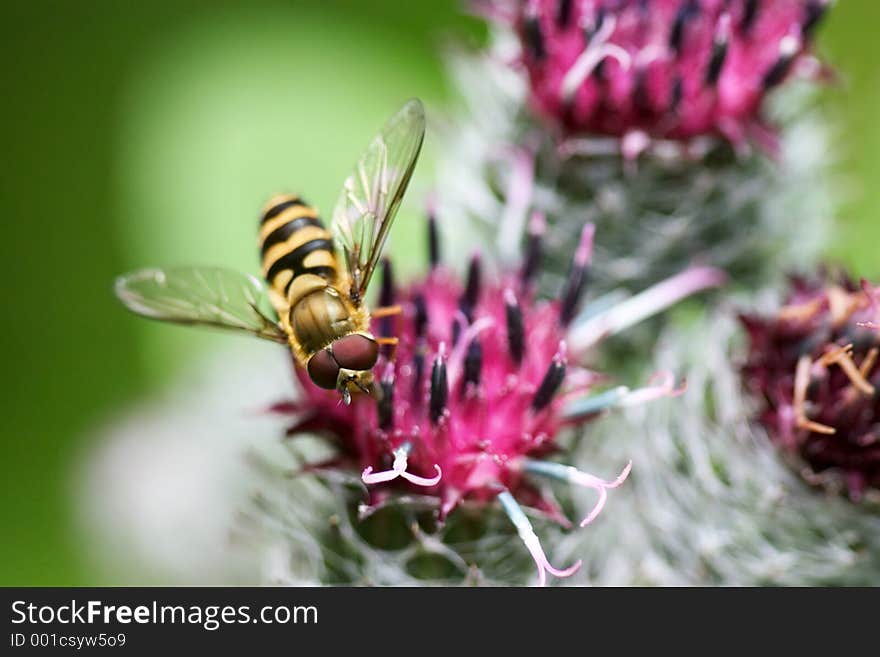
[398, 469]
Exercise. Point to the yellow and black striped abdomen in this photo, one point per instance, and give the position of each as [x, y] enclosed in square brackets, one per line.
[293, 242]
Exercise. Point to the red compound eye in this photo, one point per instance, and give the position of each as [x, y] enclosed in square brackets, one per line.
[323, 370]
[355, 352]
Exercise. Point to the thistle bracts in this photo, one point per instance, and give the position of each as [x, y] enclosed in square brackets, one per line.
[813, 364]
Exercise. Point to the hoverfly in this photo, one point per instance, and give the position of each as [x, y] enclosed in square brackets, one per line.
[321, 312]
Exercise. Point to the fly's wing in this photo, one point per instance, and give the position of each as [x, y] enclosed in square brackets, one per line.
[372, 193]
[208, 296]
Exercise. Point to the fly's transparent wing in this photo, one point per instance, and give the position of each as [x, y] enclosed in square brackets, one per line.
[209, 296]
[372, 193]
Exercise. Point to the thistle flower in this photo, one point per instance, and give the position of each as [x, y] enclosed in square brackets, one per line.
[662, 69]
[663, 184]
[476, 394]
[712, 501]
[813, 363]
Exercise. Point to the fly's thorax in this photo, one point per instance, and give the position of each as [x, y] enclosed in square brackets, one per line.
[319, 318]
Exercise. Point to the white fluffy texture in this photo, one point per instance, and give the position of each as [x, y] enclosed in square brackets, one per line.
[164, 481]
[653, 216]
[710, 501]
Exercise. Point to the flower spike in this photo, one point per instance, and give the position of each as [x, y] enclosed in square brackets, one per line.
[433, 237]
[518, 197]
[577, 276]
[659, 297]
[660, 385]
[572, 475]
[531, 541]
[439, 386]
[534, 247]
[515, 329]
[585, 405]
[552, 380]
[593, 55]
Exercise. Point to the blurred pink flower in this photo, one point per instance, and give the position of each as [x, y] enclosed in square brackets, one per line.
[814, 367]
[661, 69]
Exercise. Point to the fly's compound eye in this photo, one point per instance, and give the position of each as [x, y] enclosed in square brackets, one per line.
[356, 352]
[323, 369]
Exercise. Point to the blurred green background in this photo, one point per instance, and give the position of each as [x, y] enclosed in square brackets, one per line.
[151, 133]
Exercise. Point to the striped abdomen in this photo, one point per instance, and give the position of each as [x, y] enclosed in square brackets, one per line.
[300, 266]
[293, 242]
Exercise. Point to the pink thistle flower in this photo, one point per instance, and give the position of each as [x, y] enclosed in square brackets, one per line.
[470, 403]
[814, 365]
[662, 69]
